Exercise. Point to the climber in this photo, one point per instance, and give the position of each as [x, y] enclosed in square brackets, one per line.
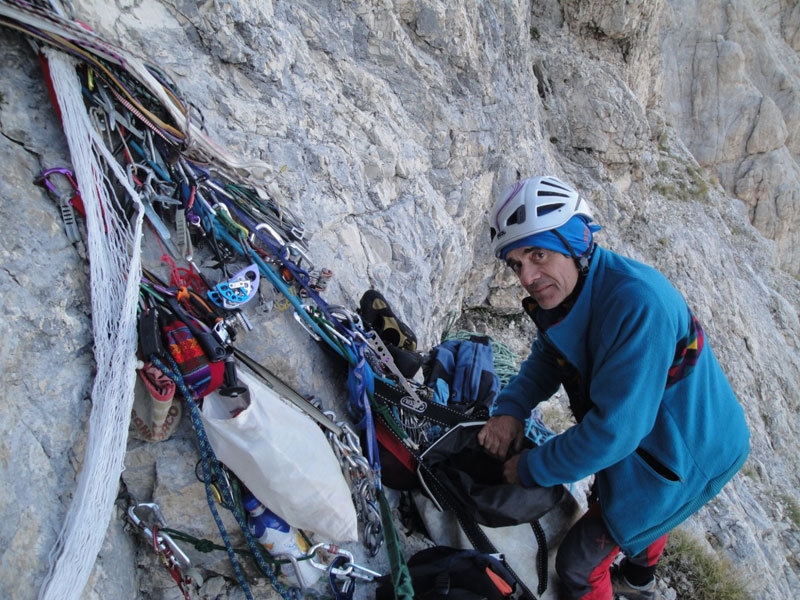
[657, 422]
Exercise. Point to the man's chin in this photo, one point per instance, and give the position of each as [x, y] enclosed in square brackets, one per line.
[546, 301]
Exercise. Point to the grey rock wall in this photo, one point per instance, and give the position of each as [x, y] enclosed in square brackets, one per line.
[389, 125]
[734, 98]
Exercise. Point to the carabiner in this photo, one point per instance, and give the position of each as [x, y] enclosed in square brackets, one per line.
[360, 572]
[69, 201]
[44, 180]
[73, 195]
[345, 590]
[270, 230]
[342, 564]
[336, 552]
[160, 541]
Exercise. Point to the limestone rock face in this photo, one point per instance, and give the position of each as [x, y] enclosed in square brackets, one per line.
[735, 102]
[389, 126]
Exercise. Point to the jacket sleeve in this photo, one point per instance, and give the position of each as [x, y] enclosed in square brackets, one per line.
[536, 381]
[632, 351]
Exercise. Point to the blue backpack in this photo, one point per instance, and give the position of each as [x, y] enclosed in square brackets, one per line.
[461, 374]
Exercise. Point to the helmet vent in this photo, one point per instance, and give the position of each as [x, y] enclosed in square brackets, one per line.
[548, 208]
[517, 217]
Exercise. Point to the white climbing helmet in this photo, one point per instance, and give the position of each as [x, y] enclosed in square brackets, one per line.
[532, 206]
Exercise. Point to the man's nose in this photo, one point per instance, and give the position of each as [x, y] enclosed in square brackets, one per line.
[528, 274]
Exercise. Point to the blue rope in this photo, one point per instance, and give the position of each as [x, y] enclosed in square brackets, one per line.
[210, 466]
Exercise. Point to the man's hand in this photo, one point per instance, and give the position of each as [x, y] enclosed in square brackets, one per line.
[510, 472]
[501, 433]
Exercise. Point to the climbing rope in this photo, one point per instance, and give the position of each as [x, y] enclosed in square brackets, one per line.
[211, 467]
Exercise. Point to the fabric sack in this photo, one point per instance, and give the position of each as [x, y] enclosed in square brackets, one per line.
[283, 458]
[462, 373]
[201, 375]
[156, 411]
[458, 469]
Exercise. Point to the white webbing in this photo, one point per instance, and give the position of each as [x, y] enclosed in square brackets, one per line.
[114, 246]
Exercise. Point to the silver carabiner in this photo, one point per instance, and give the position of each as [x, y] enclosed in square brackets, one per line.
[270, 230]
[161, 541]
[178, 555]
[307, 327]
[332, 550]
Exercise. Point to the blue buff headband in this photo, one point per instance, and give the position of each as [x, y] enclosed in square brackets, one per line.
[578, 233]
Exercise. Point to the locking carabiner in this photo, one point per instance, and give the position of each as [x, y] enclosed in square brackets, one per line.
[160, 541]
[68, 201]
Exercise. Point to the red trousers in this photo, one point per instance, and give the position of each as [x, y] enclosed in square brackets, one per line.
[586, 554]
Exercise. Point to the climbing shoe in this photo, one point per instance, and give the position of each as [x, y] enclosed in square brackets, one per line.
[624, 589]
[400, 340]
[376, 312]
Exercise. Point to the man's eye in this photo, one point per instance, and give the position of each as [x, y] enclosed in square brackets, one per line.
[538, 256]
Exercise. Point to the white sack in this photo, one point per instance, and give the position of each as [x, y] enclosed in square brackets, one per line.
[283, 458]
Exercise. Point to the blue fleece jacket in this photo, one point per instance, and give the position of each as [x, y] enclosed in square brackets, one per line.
[659, 452]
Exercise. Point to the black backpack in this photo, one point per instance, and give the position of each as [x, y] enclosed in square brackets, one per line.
[454, 574]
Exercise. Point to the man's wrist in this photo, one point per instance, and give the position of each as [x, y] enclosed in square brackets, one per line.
[526, 478]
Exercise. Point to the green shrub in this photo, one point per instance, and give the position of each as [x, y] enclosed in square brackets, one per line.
[695, 573]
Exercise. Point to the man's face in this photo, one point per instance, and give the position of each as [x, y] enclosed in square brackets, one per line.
[549, 277]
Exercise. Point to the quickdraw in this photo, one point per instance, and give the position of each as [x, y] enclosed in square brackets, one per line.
[148, 521]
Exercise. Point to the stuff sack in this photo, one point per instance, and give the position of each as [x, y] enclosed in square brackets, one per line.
[283, 457]
[456, 469]
[462, 375]
[156, 410]
[445, 572]
[200, 374]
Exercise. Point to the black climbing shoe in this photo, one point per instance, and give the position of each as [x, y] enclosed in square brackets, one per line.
[377, 314]
[400, 341]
